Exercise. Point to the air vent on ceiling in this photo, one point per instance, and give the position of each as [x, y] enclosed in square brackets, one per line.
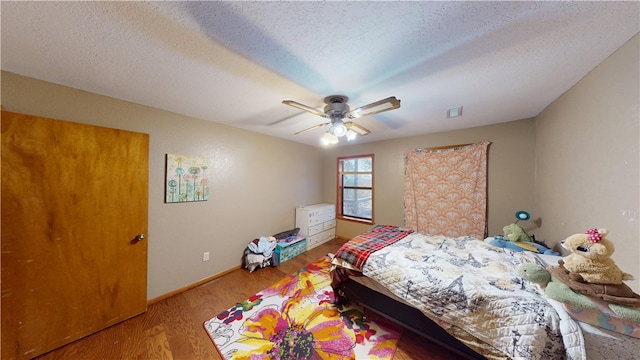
[455, 112]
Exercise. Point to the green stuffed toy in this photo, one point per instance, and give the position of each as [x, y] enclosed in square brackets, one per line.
[554, 288]
[515, 232]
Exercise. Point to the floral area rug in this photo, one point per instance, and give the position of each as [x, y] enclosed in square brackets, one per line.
[296, 319]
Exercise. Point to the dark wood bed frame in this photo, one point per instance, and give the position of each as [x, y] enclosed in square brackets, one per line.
[403, 315]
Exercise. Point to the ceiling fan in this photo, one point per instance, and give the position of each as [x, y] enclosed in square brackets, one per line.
[337, 110]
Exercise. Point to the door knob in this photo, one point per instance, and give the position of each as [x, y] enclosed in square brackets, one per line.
[138, 238]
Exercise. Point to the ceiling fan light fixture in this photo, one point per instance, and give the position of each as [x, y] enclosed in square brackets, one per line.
[329, 139]
[339, 129]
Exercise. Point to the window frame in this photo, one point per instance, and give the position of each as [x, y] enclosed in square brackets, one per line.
[340, 187]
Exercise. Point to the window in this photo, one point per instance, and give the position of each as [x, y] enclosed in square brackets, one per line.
[355, 188]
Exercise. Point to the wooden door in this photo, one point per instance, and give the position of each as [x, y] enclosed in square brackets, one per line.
[74, 197]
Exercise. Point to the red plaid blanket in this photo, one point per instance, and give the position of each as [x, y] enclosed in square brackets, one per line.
[358, 249]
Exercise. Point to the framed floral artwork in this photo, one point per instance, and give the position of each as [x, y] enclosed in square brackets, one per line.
[186, 178]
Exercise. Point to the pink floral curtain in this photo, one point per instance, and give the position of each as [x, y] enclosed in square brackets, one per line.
[446, 190]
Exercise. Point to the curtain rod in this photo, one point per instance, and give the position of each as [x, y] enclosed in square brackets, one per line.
[446, 147]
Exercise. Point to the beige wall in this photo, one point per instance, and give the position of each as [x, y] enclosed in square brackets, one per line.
[587, 158]
[510, 174]
[254, 192]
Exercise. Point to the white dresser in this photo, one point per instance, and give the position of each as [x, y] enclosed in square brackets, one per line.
[317, 223]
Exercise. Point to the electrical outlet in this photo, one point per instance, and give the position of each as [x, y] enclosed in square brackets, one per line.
[205, 256]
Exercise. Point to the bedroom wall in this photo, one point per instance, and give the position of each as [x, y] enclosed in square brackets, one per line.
[587, 158]
[244, 165]
[510, 173]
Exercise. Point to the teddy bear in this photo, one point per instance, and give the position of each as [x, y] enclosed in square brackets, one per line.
[590, 259]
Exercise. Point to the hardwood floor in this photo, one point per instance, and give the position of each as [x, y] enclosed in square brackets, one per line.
[173, 328]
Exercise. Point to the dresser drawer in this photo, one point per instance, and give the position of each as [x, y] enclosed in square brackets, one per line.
[329, 234]
[327, 216]
[321, 238]
[316, 240]
[315, 229]
[329, 224]
[314, 218]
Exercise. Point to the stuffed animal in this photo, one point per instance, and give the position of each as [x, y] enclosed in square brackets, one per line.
[593, 310]
[590, 259]
[517, 239]
[515, 246]
[515, 232]
[613, 293]
[554, 288]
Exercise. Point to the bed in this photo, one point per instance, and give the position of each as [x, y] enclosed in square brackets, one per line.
[465, 295]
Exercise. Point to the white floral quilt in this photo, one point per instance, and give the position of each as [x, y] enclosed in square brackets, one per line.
[475, 286]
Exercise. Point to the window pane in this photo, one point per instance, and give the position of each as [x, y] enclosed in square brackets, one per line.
[359, 180]
[364, 165]
[349, 165]
[349, 180]
[357, 203]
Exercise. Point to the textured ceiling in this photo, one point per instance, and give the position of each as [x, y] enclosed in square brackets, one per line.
[234, 62]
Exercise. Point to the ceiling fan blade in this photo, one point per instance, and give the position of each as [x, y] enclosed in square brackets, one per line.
[312, 128]
[304, 107]
[362, 131]
[387, 104]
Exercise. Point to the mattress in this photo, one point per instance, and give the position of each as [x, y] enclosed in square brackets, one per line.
[464, 337]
